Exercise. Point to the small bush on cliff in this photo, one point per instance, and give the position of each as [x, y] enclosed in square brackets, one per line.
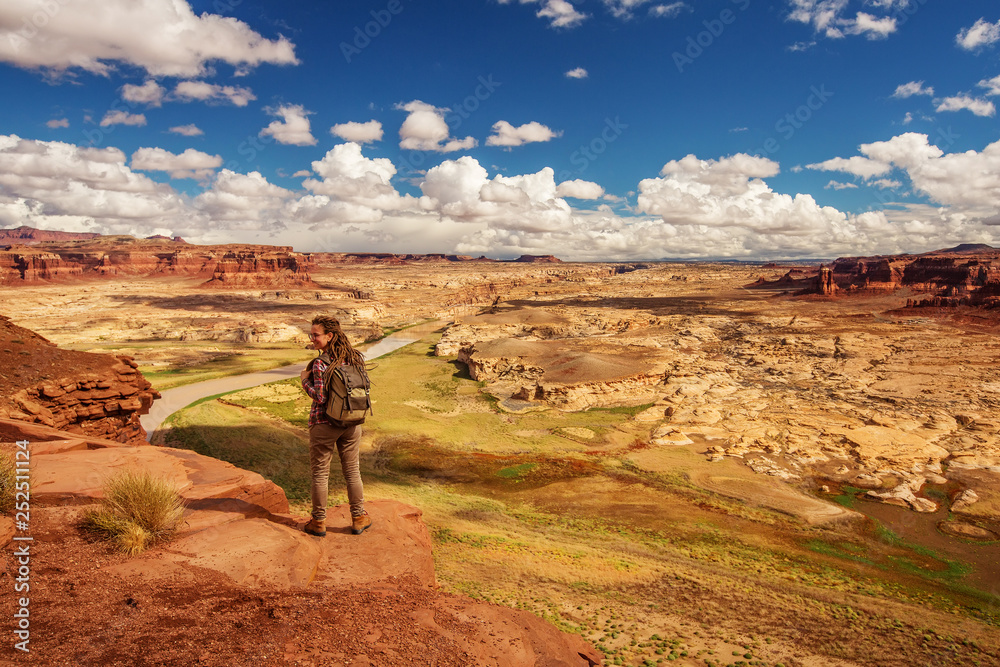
[136, 511]
[8, 478]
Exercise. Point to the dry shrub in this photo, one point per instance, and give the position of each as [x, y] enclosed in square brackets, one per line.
[136, 511]
[8, 479]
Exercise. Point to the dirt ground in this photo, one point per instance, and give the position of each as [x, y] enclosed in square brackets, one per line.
[210, 622]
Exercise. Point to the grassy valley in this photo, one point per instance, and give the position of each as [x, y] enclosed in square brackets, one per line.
[577, 518]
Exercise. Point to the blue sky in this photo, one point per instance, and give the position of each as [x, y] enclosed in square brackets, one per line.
[592, 130]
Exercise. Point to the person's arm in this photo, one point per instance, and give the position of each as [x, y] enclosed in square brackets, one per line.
[313, 383]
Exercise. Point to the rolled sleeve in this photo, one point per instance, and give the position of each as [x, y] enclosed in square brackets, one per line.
[313, 384]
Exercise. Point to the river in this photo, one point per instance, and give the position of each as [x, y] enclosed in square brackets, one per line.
[172, 400]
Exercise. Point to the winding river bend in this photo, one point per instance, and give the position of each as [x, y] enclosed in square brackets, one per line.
[172, 400]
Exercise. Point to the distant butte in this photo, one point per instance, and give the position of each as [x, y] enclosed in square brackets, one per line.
[42, 256]
[31, 256]
[25, 235]
[965, 275]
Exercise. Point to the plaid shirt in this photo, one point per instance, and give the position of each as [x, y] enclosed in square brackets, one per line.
[313, 384]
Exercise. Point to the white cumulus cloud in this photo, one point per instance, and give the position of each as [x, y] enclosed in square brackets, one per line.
[425, 129]
[56, 185]
[185, 91]
[120, 117]
[58, 122]
[561, 14]
[668, 11]
[830, 17]
[992, 86]
[164, 37]
[967, 183]
[360, 133]
[977, 106]
[505, 134]
[189, 130]
[577, 73]
[189, 164]
[580, 189]
[293, 128]
[912, 88]
[861, 167]
[870, 26]
[462, 190]
[981, 33]
[243, 199]
[150, 93]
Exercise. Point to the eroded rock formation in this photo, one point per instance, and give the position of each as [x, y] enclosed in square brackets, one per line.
[254, 269]
[94, 394]
[967, 275]
[230, 266]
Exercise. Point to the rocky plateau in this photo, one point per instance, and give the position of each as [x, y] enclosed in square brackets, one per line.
[751, 363]
[239, 578]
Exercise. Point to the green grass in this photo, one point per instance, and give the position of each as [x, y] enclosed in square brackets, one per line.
[249, 441]
[294, 411]
[436, 443]
[515, 472]
[417, 393]
[241, 358]
[627, 410]
[847, 496]
[840, 549]
[952, 571]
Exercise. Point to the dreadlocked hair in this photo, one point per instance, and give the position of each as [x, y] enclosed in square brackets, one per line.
[340, 349]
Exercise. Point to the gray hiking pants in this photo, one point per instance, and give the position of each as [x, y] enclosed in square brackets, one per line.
[324, 440]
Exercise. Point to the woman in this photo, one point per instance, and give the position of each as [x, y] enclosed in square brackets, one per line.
[324, 437]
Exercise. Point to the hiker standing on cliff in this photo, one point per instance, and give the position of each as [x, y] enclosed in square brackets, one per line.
[325, 438]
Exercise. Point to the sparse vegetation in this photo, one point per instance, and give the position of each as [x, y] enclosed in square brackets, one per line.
[137, 510]
[8, 478]
[515, 472]
[599, 572]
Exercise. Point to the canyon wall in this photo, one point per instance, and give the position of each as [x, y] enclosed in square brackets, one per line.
[967, 275]
[225, 266]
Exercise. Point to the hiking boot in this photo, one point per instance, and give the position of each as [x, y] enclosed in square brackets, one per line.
[316, 527]
[361, 523]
